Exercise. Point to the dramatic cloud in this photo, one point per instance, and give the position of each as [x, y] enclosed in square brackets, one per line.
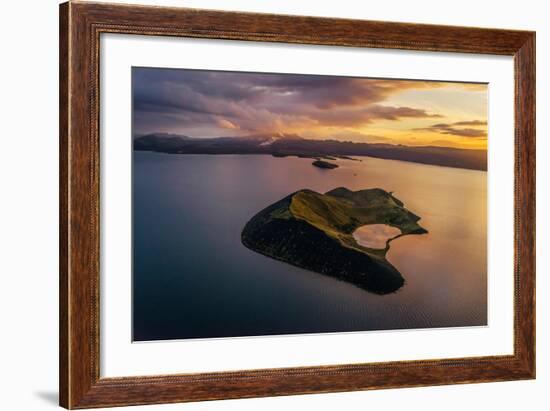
[358, 117]
[458, 129]
[202, 104]
[192, 100]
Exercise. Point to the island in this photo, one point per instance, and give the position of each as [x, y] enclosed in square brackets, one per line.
[324, 164]
[314, 231]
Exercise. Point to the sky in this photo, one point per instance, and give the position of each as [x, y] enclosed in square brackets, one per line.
[206, 104]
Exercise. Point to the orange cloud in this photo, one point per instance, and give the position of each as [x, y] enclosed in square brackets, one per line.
[452, 129]
[224, 123]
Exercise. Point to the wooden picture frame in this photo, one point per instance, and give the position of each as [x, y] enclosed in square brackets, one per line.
[80, 27]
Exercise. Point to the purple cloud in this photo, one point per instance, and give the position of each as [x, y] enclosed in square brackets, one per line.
[207, 103]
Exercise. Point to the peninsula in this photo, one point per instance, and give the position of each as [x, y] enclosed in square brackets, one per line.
[315, 231]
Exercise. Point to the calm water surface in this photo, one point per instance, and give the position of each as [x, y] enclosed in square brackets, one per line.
[194, 279]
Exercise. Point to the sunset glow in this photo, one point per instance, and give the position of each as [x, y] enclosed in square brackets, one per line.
[205, 104]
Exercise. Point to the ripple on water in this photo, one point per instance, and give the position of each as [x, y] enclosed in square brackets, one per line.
[375, 235]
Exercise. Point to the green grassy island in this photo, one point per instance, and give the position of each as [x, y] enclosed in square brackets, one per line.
[315, 231]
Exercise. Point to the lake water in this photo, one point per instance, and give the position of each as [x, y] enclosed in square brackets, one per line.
[194, 279]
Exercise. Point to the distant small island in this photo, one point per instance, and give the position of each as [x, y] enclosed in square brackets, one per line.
[324, 164]
[315, 231]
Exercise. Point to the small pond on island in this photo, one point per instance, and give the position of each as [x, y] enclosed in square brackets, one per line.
[375, 235]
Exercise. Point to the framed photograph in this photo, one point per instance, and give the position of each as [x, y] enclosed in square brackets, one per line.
[258, 205]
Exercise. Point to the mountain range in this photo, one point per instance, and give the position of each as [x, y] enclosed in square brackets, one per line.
[282, 145]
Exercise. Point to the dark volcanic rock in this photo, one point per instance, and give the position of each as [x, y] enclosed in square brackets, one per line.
[324, 164]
